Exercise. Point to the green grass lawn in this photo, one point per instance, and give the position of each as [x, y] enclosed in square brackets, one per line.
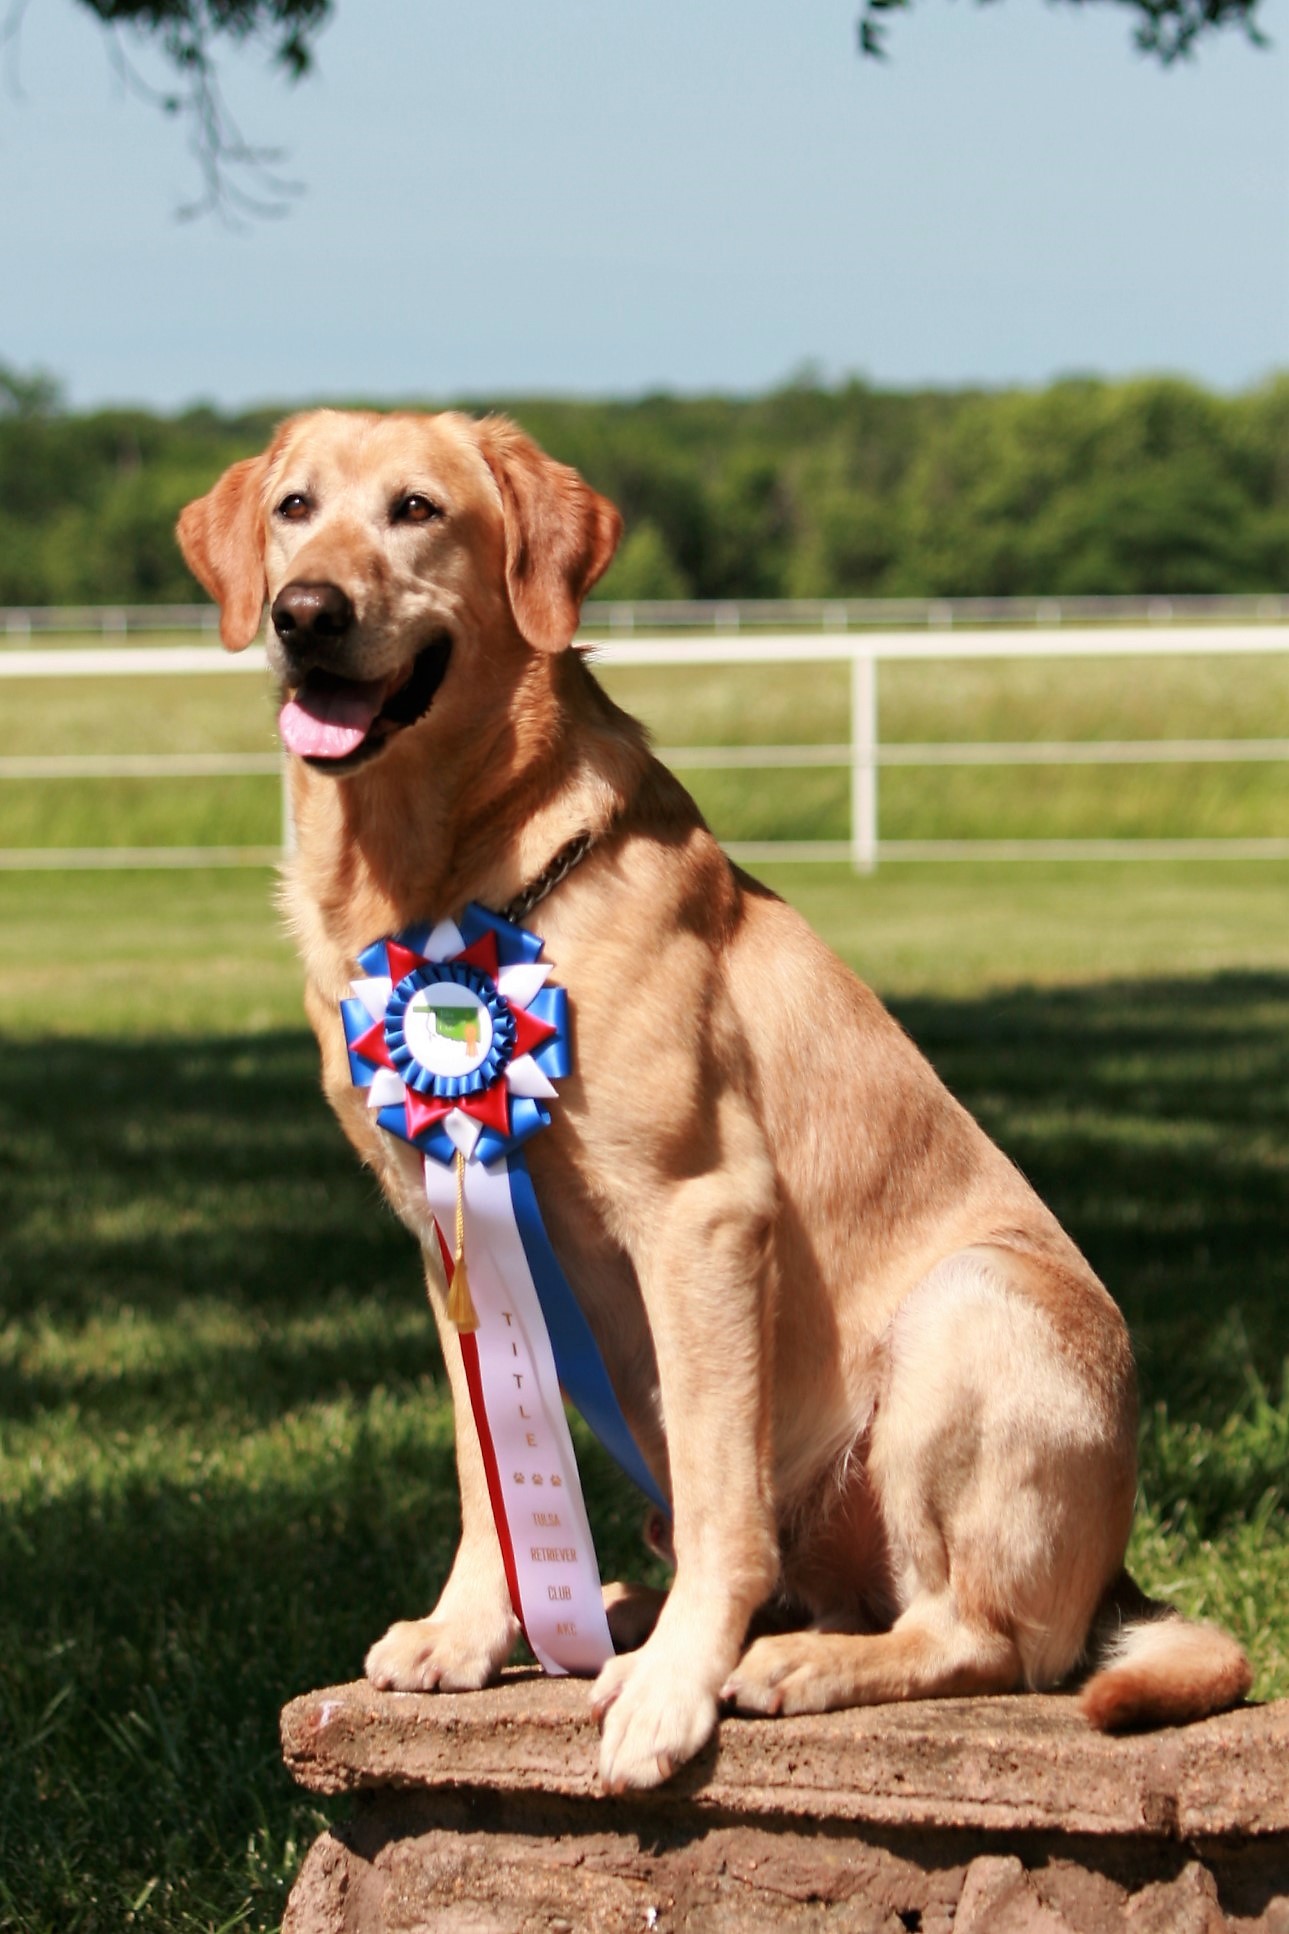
[225, 1453]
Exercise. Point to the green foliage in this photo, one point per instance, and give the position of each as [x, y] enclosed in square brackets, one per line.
[1099, 489]
[1090, 487]
[26, 396]
[644, 567]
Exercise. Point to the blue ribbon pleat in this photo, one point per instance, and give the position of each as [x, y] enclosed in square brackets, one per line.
[580, 1366]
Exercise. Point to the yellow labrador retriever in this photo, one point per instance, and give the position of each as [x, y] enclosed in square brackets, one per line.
[877, 1379]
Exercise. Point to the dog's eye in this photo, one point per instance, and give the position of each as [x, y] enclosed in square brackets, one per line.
[294, 508]
[414, 509]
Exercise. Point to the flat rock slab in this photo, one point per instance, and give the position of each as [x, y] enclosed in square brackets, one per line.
[481, 1813]
[1025, 1763]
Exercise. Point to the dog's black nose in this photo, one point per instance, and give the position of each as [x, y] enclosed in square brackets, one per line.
[305, 614]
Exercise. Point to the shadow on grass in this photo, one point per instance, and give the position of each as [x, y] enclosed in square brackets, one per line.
[202, 1188]
[185, 1227]
[159, 1171]
[199, 1192]
[231, 1468]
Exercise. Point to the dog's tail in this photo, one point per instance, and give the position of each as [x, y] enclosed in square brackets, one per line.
[1154, 1668]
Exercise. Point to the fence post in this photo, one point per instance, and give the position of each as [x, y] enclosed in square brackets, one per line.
[863, 762]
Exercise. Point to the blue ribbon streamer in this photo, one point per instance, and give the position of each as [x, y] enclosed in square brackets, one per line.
[577, 1356]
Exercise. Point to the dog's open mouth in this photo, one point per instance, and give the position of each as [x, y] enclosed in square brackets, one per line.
[339, 722]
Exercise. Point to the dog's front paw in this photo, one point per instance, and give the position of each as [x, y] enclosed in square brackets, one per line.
[654, 1715]
[436, 1655]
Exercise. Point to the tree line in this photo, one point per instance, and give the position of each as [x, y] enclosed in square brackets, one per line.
[1153, 485]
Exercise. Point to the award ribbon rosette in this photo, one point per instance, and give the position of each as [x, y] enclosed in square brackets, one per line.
[458, 1039]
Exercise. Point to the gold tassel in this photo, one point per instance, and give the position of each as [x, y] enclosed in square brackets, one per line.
[461, 1310]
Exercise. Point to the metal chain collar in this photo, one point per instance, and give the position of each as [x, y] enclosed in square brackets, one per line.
[569, 855]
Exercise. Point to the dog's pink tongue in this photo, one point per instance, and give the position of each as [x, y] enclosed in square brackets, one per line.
[329, 717]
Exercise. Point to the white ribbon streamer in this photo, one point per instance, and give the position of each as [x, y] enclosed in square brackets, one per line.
[561, 1606]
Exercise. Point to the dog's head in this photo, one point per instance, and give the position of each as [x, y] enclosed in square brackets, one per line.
[391, 550]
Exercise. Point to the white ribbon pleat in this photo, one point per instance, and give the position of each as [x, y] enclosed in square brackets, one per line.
[561, 1607]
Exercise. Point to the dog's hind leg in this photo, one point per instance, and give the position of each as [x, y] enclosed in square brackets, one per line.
[930, 1652]
[472, 1630]
[632, 1611]
[1001, 1461]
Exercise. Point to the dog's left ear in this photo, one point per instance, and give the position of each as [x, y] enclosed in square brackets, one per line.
[222, 538]
[560, 534]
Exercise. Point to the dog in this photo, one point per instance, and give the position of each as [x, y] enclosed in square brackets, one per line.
[878, 1382]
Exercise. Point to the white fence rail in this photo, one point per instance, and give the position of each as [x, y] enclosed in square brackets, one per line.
[723, 615]
[737, 638]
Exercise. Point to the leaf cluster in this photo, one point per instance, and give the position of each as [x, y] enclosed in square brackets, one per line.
[1165, 29]
[185, 29]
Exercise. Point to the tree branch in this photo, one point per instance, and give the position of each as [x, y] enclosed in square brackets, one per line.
[240, 181]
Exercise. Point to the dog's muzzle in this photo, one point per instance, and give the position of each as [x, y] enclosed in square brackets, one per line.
[330, 719]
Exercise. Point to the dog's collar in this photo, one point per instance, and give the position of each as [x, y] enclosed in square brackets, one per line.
[570, 854]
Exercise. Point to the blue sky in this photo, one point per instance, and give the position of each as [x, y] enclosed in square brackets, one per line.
[604, 196]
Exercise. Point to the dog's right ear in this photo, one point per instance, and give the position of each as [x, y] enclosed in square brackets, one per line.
[222, 538]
